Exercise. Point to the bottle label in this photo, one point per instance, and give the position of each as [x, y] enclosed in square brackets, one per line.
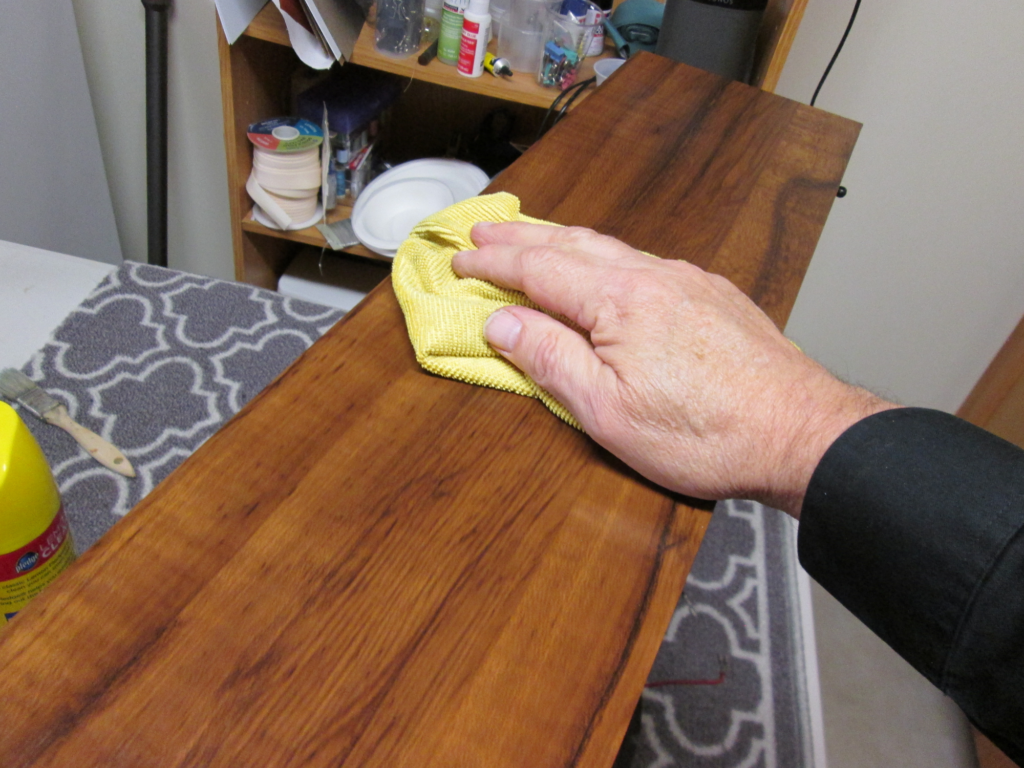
[597, 17]
[451, 30]
[467, 51]
[26, 571]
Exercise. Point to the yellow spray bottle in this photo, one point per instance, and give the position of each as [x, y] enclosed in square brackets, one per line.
[35, 541]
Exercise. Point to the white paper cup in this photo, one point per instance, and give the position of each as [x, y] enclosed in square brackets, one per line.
[604, 68]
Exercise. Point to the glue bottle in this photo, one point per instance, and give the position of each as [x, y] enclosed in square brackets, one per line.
[35, 541]
[476, 32]
[451, 30]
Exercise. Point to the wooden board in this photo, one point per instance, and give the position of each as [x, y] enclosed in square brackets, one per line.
[996, 402]
[371, 566]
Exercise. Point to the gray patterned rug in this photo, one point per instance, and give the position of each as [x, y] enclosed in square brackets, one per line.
[728, 687]
[156, 361]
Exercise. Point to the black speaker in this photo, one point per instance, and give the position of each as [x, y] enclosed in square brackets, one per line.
[716, 35]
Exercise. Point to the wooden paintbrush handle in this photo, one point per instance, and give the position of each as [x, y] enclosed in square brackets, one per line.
[98, 448]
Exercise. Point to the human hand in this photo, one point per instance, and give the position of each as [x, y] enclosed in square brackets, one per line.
[683, 377]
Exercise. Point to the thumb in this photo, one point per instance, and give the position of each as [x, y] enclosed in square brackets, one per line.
[556, 357]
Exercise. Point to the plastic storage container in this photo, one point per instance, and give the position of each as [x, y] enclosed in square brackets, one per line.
[521, 33]
[566, 42]
[399, 27]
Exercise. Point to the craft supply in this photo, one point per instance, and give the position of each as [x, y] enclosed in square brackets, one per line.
[35, 541]
[287, 170]
[567, 39]
[521, 37]
[450, 40]
[497, 67]
[15, 385]
[499, 11]
[285, 134]
[339, 234]
[597, 15]
[399, 27]
[428, 55]
[431, 20]
[476, 31]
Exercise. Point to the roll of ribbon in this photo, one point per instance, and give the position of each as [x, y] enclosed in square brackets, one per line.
[286, 170]
[297, 170]
[264, 200]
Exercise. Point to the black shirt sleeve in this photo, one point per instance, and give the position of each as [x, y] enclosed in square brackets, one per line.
[914, 520]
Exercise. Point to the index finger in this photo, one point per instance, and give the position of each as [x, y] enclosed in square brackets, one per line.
[524, 233]
[561, 269]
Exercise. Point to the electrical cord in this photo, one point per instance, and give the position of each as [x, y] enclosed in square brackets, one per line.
[577, 89]
[565, 108]
[849, 26]
[841, 192]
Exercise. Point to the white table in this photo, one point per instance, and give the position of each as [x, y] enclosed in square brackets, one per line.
[38, 289]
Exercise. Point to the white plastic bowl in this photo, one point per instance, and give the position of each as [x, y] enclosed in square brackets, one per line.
[383, 217]
[464, 179]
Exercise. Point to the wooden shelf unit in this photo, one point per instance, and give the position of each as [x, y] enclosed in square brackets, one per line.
[256, 84]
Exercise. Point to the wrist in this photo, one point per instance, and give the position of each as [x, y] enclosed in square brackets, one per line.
[828, 409]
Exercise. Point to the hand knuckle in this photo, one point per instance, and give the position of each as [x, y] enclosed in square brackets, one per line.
[535, 263]
[577, 235]
[547, 358]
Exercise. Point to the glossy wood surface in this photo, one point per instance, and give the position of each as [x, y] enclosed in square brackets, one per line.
[371, 566]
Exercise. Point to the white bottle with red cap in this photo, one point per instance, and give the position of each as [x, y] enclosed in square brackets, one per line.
[476, 32]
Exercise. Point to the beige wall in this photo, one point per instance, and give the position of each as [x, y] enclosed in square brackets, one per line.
[919, 277]
[112, 33]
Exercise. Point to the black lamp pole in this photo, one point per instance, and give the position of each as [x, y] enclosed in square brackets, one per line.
[156, 128]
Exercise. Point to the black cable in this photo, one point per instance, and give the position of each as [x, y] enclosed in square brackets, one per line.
[582, 86]
[578, 88]
[551, 108]
[849, 26]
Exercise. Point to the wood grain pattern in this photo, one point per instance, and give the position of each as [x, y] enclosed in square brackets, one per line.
[371, 566]
[775, 39]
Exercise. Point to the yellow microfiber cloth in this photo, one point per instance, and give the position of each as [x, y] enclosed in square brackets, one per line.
[445, 314]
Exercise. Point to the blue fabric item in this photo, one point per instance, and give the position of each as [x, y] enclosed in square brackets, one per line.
[355, 96]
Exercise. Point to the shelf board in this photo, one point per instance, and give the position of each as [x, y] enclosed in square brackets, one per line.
[311, 235]
[269, 26]
[521, 87]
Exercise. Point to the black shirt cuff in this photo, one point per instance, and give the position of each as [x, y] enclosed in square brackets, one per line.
[914, 520]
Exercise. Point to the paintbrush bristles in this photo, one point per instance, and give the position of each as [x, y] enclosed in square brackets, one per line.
[15, 385]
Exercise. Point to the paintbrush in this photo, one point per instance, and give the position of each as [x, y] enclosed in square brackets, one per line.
[15, 385]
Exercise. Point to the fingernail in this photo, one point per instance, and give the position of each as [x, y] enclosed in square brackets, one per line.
[480, 228]
[456, 259]
[502, 330]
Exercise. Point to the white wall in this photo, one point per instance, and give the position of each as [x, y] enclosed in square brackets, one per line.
[54, 192]
[919, 276]
[113, 45]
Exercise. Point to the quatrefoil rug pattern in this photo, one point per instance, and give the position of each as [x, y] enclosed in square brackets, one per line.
[155, 361]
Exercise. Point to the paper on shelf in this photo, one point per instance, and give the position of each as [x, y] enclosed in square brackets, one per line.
[236, 15]
[338, 22]
[305, 42]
